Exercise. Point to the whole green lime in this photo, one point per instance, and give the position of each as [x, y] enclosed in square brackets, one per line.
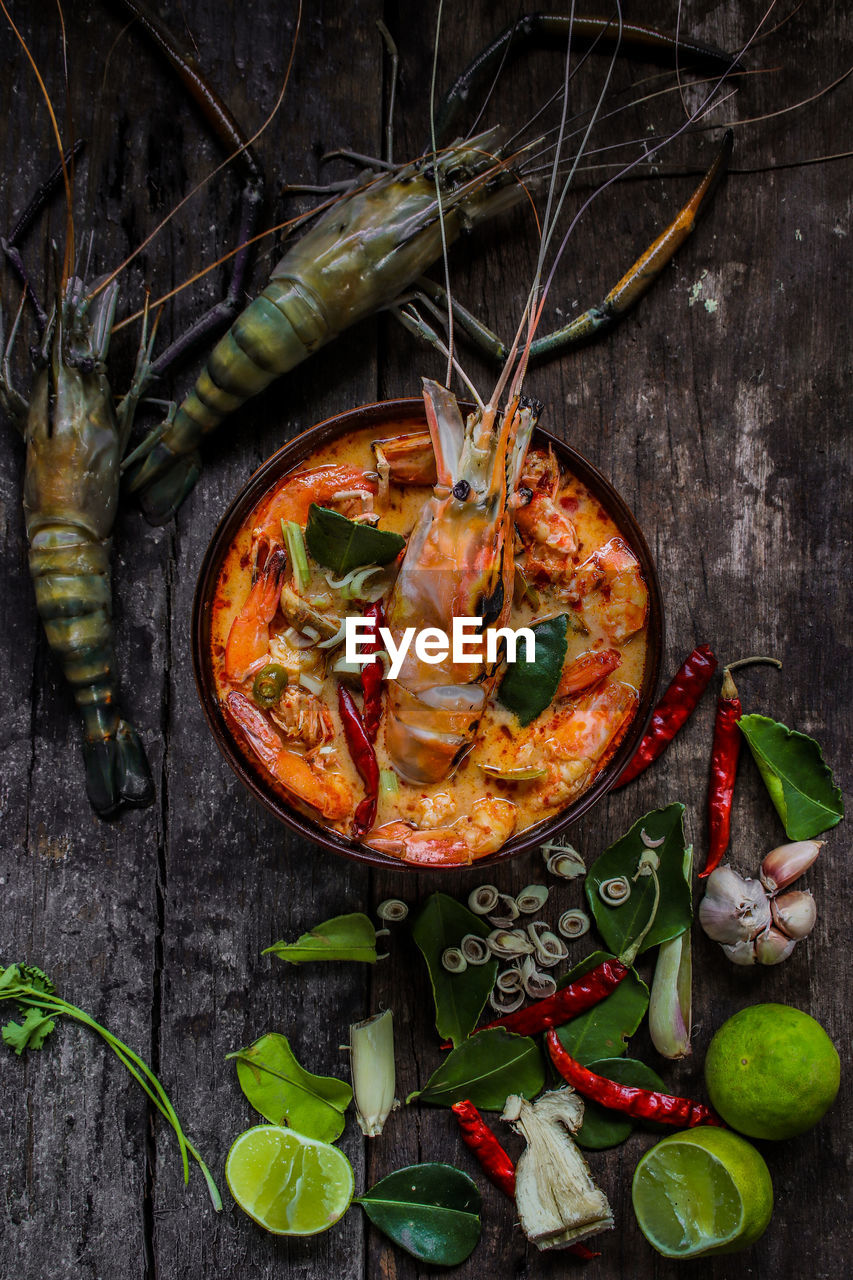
[706, 1191]
[772, 1071]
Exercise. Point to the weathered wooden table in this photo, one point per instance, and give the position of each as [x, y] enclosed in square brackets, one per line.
[719, 409]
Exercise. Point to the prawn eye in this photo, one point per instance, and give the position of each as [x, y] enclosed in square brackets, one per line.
[461, 490]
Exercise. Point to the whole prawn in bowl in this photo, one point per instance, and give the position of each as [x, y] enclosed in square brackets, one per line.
[409, 515]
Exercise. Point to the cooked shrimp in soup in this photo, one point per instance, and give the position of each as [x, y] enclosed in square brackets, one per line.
[431, 756]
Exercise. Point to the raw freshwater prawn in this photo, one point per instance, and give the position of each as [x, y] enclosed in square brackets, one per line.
[459, 562]
[76, 432]
[372, 247]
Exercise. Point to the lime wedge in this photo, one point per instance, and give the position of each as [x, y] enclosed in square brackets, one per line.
[706, 1191]
[293, 1186]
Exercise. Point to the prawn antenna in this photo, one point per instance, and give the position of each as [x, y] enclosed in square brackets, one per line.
[66, 172]
[212, 106]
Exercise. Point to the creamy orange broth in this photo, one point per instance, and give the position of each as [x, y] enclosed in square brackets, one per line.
[499, 732]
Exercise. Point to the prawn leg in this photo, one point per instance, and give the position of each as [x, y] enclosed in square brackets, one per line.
[229, 133]
[598, 319]
[604, 33]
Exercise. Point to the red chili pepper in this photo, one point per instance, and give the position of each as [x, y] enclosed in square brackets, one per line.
[554, 1010]
[373, 673]
[363, 757]
[478, 1137]
[642, 1104]
[494, 1161]
[724, 758]
[688, 684]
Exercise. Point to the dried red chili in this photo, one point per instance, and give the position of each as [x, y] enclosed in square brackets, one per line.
[478, 1138]
[642, 1104]
[373, 673]
[554, 1010]
[494, 1161]
[363, 757]
[686, 688]
[724, 757]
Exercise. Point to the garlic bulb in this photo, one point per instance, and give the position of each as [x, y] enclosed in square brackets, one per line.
[784, 865]
[772, 947]
[794, 913]
[557, 1201]
[733, 909]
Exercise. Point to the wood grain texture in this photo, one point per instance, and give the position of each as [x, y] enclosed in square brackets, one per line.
[719, 408]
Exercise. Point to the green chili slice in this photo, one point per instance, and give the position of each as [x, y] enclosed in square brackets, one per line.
[269, 684]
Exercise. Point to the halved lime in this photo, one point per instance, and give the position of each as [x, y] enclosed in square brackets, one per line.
[706, 1191]
[293, 1186]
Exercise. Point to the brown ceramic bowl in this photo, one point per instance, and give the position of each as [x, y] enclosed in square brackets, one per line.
[409, 415]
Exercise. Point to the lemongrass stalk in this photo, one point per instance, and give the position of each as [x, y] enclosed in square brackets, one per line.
[670, 1003]
[373, 1074]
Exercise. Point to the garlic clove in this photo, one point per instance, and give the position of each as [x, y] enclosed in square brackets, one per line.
[733, 909]
[794, 913]
[772, 947]
[742, 952]
[785, 864]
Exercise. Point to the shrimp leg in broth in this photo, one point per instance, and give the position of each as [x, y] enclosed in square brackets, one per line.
[363, 256]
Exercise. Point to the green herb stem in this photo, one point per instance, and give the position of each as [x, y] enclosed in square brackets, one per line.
[298, 556]
[30, 998]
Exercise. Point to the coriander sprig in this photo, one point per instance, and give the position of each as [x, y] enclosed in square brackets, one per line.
[35, 995]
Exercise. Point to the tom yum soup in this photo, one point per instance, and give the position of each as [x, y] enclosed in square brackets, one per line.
[432, 641]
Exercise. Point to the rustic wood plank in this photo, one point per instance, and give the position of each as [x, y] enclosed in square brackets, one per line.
[719, 410]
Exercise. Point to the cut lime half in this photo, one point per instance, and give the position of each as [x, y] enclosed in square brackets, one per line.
[707, 1191]
[291, 1185]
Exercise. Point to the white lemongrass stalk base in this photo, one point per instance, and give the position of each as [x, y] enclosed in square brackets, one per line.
[373, 1073]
